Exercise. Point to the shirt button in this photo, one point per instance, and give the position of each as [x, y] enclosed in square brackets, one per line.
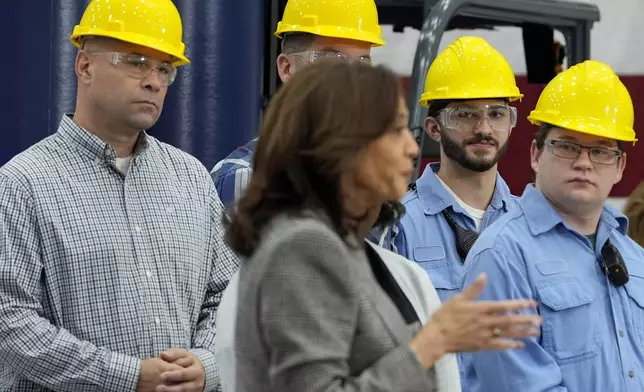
[631, 374]
[621, 333]
[157, 320]
[148, 274]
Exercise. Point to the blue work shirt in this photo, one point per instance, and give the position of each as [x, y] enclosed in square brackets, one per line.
[424, 236]
[232, 174]
[592, 337]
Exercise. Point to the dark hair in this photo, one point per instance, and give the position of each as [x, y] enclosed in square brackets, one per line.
[296, 42]
[314, 130]
[390, 212]
[542, 134]
[437, 106]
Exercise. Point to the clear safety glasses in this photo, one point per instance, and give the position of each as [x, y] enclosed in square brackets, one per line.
[500, 117]
[314, 55]
[140, 67]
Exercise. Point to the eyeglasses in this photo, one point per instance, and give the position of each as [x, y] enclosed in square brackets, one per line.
[570, 150]
[140, 67]
[315, 55]
[500, 117]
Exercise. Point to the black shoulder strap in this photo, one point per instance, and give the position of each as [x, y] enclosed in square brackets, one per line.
[464, 238]
[388, 283]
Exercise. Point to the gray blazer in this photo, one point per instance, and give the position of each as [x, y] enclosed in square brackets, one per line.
[311, 317]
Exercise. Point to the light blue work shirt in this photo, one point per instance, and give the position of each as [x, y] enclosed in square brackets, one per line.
[592, 338]
[424, 236]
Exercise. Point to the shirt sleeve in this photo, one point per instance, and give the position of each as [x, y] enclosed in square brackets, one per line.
[530, 369]
[30, 345]
[231, 185]
[224, 264]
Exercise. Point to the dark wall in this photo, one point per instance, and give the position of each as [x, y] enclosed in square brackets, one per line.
[211, 109]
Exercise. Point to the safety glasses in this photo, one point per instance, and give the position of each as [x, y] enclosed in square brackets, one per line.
[140, 67]
[314, 55]
[500, 117]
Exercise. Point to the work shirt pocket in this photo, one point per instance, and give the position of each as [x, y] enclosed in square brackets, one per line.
[444, 274]
[568, 332]
[635, 291]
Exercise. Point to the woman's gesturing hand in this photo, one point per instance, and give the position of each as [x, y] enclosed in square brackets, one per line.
[463, 325]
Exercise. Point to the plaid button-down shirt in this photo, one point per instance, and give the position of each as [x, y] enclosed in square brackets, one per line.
[99, 270]
[232, 174]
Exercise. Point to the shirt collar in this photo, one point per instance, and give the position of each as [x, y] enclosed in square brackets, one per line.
[90, 144]
[542, 217]
[435, 198]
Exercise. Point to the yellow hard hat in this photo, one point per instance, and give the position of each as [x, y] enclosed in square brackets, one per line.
[350, 19]
[469, 68]
[587, 98]
[155, 24]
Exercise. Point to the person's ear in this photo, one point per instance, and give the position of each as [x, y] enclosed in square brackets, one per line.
[83, 67]
[285, 67]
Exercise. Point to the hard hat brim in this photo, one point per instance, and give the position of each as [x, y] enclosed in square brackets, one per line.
[427, 98]
[136, 39]
[331, 31]
[582, 126]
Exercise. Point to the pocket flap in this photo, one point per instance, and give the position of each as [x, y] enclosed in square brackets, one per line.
[565, 295]
[432, 260]
[636, 291]
[635, 267]
[429, 253]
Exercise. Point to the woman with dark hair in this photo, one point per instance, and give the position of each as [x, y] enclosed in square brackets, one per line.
[316, 311]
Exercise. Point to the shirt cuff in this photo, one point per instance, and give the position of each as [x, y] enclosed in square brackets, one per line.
[122, 372]
[210, 368]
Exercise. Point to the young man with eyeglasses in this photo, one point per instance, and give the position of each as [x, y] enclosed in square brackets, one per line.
[567, 249]
[468, 89]
[112, 259]
[310, 30]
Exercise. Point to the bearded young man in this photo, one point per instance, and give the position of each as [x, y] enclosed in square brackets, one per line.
[468, 90]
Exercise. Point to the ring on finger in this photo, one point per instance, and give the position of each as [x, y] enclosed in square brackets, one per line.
[496, 332]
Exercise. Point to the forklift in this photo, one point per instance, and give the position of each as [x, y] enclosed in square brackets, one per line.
[538, 19]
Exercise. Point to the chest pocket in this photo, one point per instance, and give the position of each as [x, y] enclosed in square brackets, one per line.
[635, 291]
[441, 271]
[569, 332]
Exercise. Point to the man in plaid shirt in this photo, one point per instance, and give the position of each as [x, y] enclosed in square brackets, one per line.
[112, 259]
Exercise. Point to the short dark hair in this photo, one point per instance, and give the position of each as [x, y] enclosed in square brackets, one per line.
[311, 132]
[390, 212]
[437, 106]
[542, 134]
[297, 42]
